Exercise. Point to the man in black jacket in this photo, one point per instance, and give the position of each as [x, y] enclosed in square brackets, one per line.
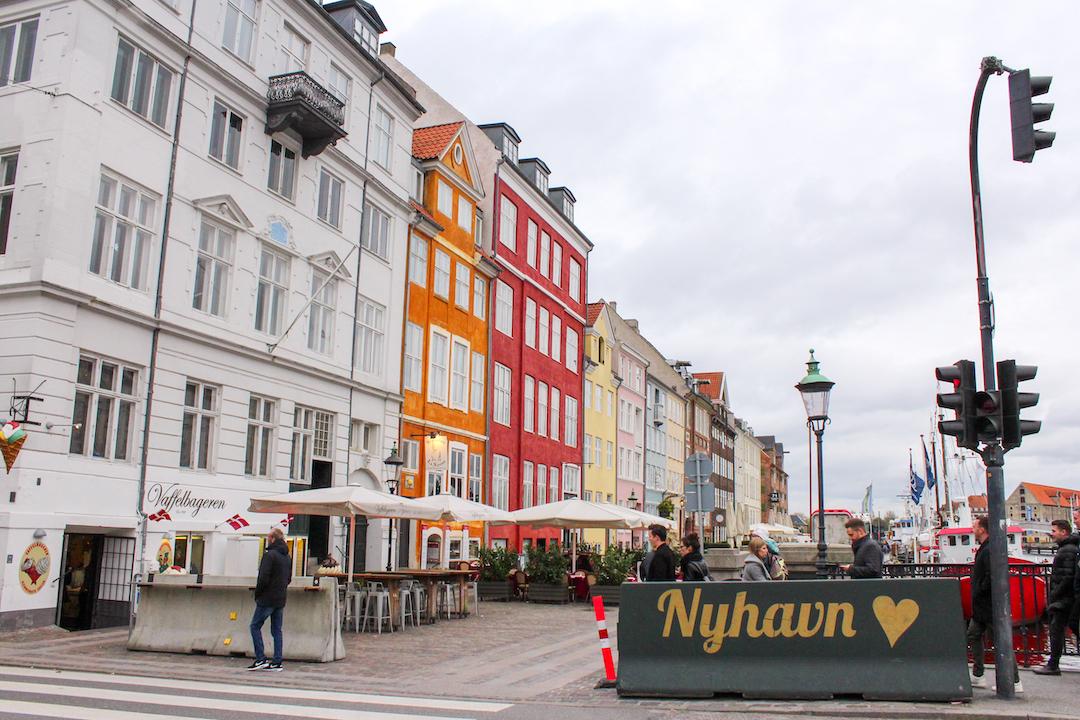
[275, 572]
[662, 566]
[981, 608]
[868, 557]
[1062, 591]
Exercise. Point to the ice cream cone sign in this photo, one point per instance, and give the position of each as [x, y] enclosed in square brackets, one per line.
[12, 437]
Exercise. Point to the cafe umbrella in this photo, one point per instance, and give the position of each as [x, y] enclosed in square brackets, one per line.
[453, 509]
[575, 513]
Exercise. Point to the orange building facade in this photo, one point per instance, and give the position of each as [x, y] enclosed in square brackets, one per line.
[444, 430]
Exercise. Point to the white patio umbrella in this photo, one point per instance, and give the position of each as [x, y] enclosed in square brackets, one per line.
[574, 513]
[452, 508]
[343, 501]
[643, 520]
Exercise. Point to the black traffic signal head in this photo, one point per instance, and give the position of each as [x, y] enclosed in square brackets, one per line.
[987, 415]
[962, 376]
[1026, 139]
[1013, 429]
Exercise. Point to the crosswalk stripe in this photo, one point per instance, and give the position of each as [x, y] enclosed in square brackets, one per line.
[260, 691]
[73, 712]
[193, 702]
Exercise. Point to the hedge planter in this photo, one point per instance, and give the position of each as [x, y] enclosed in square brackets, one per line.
[495, 590]
[610, 593]
[549, 593]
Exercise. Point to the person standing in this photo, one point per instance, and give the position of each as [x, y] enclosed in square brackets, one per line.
[754, 567]
[694, 567]
[981, 622]
[661, 566]
[868, 555]
[275, 573]
[1062, 591]
[1074, 616]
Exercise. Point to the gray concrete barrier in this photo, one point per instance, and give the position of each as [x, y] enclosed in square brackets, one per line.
[177, 614]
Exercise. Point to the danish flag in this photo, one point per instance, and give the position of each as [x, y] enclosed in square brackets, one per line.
[236, 522]
[161, 514]
[286, 521]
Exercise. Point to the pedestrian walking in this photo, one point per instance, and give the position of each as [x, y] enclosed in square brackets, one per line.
[661, 566]
[868, 555]
[981, 623]
[1074, 616]
[275, 572]
[754, 568]
[1062, 591]
[694, 568]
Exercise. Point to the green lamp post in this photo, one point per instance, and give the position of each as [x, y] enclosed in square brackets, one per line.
[815, 389]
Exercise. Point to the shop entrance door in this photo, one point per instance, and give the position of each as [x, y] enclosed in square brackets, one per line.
[95, 589]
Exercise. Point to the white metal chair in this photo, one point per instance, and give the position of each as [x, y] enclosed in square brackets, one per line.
[378, 600]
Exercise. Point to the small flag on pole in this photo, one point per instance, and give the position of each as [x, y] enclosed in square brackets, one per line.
[930, 479]
[915, 482]
[161, 514]
[286, 521]
[236, 522]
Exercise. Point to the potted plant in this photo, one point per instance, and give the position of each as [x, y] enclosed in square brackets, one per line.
[547, 570]
[495, 567]
[612, 569]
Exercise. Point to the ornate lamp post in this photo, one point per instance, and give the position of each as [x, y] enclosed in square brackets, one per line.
[393, 465]
[815, 389]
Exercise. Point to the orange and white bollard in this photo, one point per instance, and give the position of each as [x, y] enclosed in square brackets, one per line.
[605, 645]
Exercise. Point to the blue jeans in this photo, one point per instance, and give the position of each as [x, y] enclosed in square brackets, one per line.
[276, 616]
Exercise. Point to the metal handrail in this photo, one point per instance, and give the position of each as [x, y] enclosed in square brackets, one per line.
[300, 85]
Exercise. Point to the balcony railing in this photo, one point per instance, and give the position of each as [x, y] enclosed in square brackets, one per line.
[295, 101]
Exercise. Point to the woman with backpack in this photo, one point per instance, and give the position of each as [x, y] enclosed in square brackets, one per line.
[694, 568]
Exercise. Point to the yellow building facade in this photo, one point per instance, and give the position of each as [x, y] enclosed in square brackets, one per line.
[599, 412]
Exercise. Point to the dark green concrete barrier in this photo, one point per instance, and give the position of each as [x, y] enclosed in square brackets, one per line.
[880, 639]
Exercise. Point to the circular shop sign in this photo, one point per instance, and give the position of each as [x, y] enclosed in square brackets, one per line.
[34, 568]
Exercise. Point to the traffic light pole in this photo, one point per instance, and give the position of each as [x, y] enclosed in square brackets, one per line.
[992, 453]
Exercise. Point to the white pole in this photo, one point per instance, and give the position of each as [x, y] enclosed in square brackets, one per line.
[352, 546]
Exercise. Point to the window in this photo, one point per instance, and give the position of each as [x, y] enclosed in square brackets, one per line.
[363, 436]
[504, 307]
[321, 312]
[458, 454]
[104, 410]
[554, 429]
[541, 408]
[418, 254]
[572, 357]
[239, 28]
[273, 287]
[501, 402]
[610, 402]
[339, 83]
[303, 441]
[597, 450]
[476, 476]
[370, 337]
[412, 370]
[599, 397]
[435, 480]
[212, 267]
[199, 425]
[282, 176]
[120, 249]
[553, 484]
[366, 37]
[587, 447]
[459, 375]
[17, 50]
[461, 286]
[410, 455]
[530, 245]
[479, 297]
[445, 201]
[556, 338]
[574, 288]
[464, 213]
[541, 484]
[556, 264]
[377, 237]
[570, 425]
[8, 164]
[545, 253]
[438, 366]
[331, 189]
[530, 322]
[226, 134]
[476, 399]
[140, 82]
[544, 331]
[418, 185]
[258, 456]
[293, 54]
[527, 481]
[188, 552]
[609, 454]
[442, 274]
[384, 136]
[500, 481]
[508, 223]
[478, 226]
[530, 401]
[588, 384]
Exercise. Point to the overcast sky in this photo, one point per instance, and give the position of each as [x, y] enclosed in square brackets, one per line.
[763, 178]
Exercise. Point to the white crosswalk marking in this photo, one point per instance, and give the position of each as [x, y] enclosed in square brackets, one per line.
[72, 712]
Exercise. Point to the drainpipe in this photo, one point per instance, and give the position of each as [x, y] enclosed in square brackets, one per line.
[155, 335]
[491, 349]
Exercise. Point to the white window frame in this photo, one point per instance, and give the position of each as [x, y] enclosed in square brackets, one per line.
[556, 338]
[545, 253]
[370, 336]
[379, 228]
[476, 392]
[20, 61]
[438, 367]
[541, 408]
[442, 274]
[570, 423]
[500, 481]
[213, 268]
[556, 264]
[479, 301]
[462, 291]
[587, 396]
[476, 478]
[137, 69]
[444, 199]
[508, 223]
[102, 408]
[322, 312]
[339, 83]
[574, 286]
[412, 376]
[571, 486]
[464, 214]
[241, 15]
[259, 447]
[418, 260]
[530, 322]
[541, 484]
[204, 425]
[530, 401]
[555, 408]
[530, 247]
[384, 137]
[410, 455]
[281, 173]
[123, 237]
[503, 392]
[330, 198]
[9, 166]
[457, 461]
[226, 134]
[543, 331]
[292, 59]
[459, 374]
[527, 482]
[504, 308]
[553, 484]
[272, 290]
[572, 353]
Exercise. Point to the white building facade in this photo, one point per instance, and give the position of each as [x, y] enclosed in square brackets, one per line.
[256, 349]
[747, 480]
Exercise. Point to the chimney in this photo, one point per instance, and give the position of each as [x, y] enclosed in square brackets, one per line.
[633, 324]
[388, 48]
[614, 307]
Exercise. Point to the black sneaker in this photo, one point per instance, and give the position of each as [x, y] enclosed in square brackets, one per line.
[1047, 670]
[273, 667]
[258, 664]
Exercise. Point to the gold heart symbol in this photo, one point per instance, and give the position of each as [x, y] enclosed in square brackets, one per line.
[895, 617]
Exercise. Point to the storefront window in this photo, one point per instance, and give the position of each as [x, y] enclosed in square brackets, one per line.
[188, 553]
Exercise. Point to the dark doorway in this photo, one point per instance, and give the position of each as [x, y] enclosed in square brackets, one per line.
[403, 540]
[95, 589]
[359, 547]
[322, 475]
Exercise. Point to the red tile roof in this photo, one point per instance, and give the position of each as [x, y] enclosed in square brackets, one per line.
[423, 211]
[430, 142]
[977, 502]
[592, 311]
[712, 389]
[1050, 495]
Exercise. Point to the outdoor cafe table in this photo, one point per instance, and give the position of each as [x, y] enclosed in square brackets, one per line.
[428, 577]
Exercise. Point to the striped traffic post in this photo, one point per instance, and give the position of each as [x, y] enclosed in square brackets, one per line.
[605, 645]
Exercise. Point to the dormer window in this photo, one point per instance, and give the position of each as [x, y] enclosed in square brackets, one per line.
[537, 171]
[542, 182]
[568, 209]
[564, 200]
[509, 149]
[505, 138]
[366, 36]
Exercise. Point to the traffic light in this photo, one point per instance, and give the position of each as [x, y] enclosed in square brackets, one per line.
[1026, 139]
[962, 376]
[987, 407]
[1013, 429]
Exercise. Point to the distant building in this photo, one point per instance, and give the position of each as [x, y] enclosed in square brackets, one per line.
[774, 481]
[1034, 507]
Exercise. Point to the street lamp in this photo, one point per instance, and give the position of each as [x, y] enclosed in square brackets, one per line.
[393, 465]
[815, 389]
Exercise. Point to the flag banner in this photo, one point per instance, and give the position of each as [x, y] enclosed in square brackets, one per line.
[866, 500]
[285, 522]
[161, 514]
[929, 469]
[236, 522]
[914, 482]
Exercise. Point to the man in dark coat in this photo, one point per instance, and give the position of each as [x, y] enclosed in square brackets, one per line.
[982, 614]
[275, 572]
[1062, 591]
[868, 557]
[661, 567]
[1074, 618]
[694, 567]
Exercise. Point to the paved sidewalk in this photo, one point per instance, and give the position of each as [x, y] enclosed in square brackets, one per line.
[518, 652]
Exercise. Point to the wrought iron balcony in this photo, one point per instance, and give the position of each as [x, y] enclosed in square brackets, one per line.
[296, 101]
